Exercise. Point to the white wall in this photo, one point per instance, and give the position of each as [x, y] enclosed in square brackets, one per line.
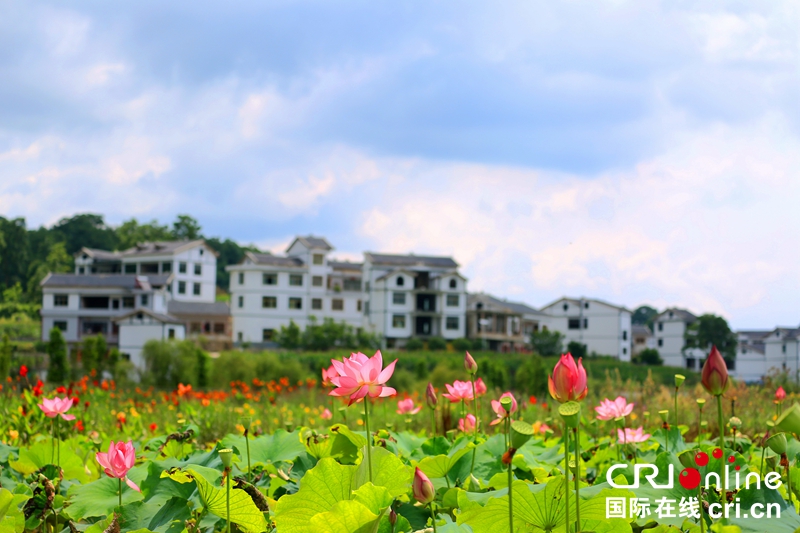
[602, 331]
[133, 334]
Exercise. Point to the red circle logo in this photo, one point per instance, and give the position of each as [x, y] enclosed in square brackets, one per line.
[701, 459]
[717, 453]
[689, 478]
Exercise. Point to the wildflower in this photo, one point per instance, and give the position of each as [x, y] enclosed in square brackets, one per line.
[360, 376]
[568, 381]
[715, 373]
[184, 390]
[532, 400]
[118, 461]
[13, 433]
[57, 406]
[422, 487]
[632, 435]
[608, 410]
[467, 425]
[153, 427]
[500, 411]
[458, 391]
[326, 414]
[79, 425]
[23, 371]
[406, 407]
[780, 394]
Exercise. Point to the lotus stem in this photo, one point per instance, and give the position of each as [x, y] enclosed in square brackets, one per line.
[510, 504]
[721, 443]
[475, 431]
[369, 437]
[247, 442]
[120, 494]
[763, 451]
[566, 469]
[700, 504]
[433, 517]
[676, 407]
[228, 498]
[577, 475]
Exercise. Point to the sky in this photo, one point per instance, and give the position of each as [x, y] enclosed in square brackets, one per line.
[632, 151]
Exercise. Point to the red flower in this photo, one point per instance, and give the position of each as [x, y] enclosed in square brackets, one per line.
[715, 373]
[23, 371]
[79, 425]
[61, 390]
[532, 400]
[153, 427]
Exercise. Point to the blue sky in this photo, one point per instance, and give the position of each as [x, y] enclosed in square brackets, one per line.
[639, 152]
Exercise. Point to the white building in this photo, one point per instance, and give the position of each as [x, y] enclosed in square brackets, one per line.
[604, 328]
[268, 291]
[669, 328]
[642, 339]
[413, 296]
[138, 327]
[192, 264]
[502, 325]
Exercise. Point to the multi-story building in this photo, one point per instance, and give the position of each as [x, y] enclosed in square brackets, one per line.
[192, 264]
[669, 329]
[268, 291]
[413, 296]
[502, 325]
[604, 328]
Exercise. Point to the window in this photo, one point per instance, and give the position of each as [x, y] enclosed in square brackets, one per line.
[451, 322]
[318, 259]
[148, 268]
[366, 286]
[731, 364]
[399, 298]
[400, 281]
[219, 328]
[352, 284]
[295, 303]
[171, 333]
[166, 267]
[266, 334]
[196, 289]
[452, 300]
[182, 267]
[198, 269]
[269, 302]
[201, 251]
[316, 281]
[399, 321]
[96, 302]
[60, 300]
[130, 268]
[574, 323]
[453, 283]
[671, 314]
[624, 351]
[586, 305]
[316, 304]
[585, 323]
[114, 304]
[296, 280]
[60, 324]
[690, 362]
[145, 300]
[241, 278]
[660, 343]
[181, 287]
[358, 306]
[269, 279]
[366, 308]
[625, 335]
[239, 336]
[127, 302]
[783, 348]
[337, 304]
[660, 326]
[241, 305]
[81, 270]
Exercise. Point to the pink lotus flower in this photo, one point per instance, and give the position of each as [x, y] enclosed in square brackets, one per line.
[57, 406]
[480, 387]
[780, 394]
[422, 488]
[608, 410]
[467, 425]
[715, 373]
[327, 374]
[458, 391]
[632, 435]
[326, 414]
[359, 376]
[120, 458]
[544, 428]
[406, 407]
[498, 409]
[568, 381]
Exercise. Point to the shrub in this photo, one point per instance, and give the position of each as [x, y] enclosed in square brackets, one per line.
[413, 344]
[437, 344]
[5, 358]
[462, 345]
[577, 349]
[648, 356]
[547, 343]
[168, 363]
[531, 376]
[58, 370]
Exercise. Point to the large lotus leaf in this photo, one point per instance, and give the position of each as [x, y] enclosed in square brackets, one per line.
[12, 519]
[98, 498]
[346, 444]
[436, 446]
[243, 512]
[374, 498]
[159, 516]
[534, 455]
[266, 449]
[671, 440]
[440, 465]
[320, 489]
[41, 454]
[347, 516]
[158, 489]
[407, 445]
[387, 471]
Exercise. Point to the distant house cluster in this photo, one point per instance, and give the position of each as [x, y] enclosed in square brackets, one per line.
[167, 290]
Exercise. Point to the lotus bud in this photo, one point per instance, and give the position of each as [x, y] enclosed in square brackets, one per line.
[430, 396]
[521, 432]
[664, 414]
[772, 462]
[571, 413]
[506, 402]
[422, 488]
[780, 394]
[679, 379]
[715, 373]
[470, 365]
[777, 443]
[392, 517]
[789, 421]
[226, 456]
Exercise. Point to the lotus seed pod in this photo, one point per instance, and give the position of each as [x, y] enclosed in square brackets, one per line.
[664, 415]
[789, 421]
[521, 432]
[571, 413]
[679, 379]
[226, 456]
[777, 443]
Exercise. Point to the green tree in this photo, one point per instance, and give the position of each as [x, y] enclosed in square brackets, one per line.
[531, 377]
[85, 230]
[57, 262]
[5, 357]
[711, 330]
[577, 349]
[547, 343]
[230, 253]
[14, 252]
[644, 315]
[186, 228]
[648, 356]
[58, 370]
[289, 337]
[130, 233]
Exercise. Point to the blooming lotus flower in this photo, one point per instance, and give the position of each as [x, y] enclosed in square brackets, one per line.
[568, 382]
[327, 374]
[406, 407]
[120, 458]
[430, 396]
[632, 435]
[480, 387]
[422, 487]
[458, 391]
[780, 394]
[608, 410]
[500, 411]
[359, 376]
[57, 406]
[467, 425]
[470, 365]
[715, 373]
[326, 414]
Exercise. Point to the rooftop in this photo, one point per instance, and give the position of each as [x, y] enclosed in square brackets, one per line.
[122, 281]
[514, 307]
[198, 308]
[679, 313]
[142, 249]
[312, 242]
[274, 260]
[410, 260]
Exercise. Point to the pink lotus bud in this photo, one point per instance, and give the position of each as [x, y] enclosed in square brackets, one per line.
[470, 365]
[715, 373]
[430, 396]
[780, 394]
[568, 382]
[422, 488]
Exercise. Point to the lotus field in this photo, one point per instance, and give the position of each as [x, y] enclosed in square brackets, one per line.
[348, 453]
